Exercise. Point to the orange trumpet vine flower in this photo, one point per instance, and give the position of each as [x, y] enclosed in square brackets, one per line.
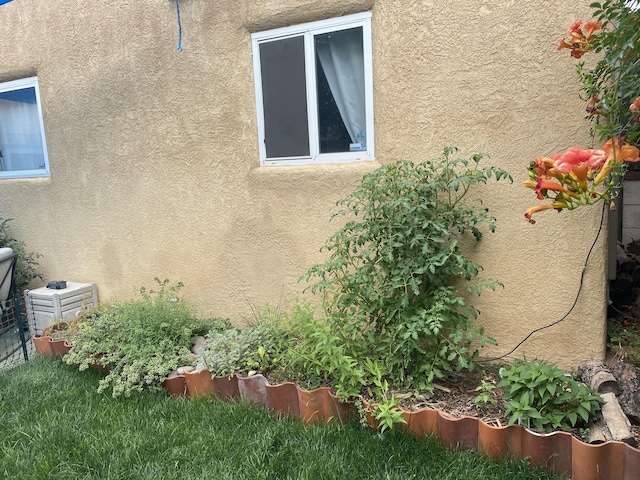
[544, 184]
[615, 156]
[536, 209]
[578, 40]
[558, 205]
[577, 157]
[634, 108]
[542, 165]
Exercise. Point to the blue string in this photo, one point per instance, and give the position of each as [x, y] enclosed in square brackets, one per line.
[179, 26]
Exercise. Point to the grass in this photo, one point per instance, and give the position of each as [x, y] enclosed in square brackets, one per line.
[54, 425]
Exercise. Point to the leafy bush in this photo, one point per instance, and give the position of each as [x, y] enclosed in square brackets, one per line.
[544, 395]
[392, 277]
[27, 262]
[140, 340]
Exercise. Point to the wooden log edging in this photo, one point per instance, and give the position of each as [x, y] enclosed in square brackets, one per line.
[560, 452]
[598, 377]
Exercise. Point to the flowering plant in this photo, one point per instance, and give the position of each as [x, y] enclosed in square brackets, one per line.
[611, 91]
[579, 38]
[576, 177]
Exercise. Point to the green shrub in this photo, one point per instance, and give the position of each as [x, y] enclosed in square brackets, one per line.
[140, 340]
[392, 278]
[27, 262]
[545, 396]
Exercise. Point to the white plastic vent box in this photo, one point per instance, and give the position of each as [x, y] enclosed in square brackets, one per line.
[43, 305]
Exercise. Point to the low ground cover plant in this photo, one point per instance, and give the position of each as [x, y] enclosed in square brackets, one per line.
[140, 341]
[258, 347]
[544, 396]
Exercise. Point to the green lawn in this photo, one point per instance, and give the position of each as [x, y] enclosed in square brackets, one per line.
[54, 425]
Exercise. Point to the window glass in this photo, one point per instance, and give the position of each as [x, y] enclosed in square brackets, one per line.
[22, 149]
[340, 87]
[285, 98]
[314, 92]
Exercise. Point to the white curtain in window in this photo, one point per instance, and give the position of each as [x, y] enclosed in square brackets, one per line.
[342, 60]
[20, 142]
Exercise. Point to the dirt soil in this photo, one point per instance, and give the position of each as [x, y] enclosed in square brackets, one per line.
[456, 396]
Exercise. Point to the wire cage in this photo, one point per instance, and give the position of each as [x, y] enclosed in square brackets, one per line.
[15, 345]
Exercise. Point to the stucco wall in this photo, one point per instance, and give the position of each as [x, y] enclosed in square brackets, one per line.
[155, 168]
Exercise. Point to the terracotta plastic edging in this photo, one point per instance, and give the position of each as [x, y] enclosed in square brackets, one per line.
[59, 348]
[560, 452]
[43, 344]
[254, 389]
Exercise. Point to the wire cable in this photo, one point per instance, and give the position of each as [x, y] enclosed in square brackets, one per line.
[575, 301]
[179, 47]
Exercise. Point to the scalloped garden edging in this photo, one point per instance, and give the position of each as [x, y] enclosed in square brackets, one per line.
[560, 452]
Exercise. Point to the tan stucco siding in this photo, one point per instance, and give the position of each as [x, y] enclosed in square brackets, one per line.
[154, 152]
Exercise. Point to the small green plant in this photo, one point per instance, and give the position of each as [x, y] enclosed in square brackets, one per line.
[484, 398]
[320, 356]
[391, 283]
[619, 335]
[541, 394]
[388, 414]
[257, 347]
[386, 409]
[624, 340]
[27, 263]
[140, 340]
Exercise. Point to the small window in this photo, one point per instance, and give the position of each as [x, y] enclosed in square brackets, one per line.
[23, 151]
[314, 92]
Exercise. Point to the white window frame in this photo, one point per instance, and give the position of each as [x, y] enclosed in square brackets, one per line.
[31, 82]
[308, 30]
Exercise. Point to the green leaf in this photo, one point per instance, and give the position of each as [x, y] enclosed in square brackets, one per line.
[551, 388]
[584, 413]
